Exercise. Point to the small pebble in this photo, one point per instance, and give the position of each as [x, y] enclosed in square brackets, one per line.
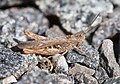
[9, 80]
[61, 65]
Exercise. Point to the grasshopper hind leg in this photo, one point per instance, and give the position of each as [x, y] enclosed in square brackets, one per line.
[32, 35]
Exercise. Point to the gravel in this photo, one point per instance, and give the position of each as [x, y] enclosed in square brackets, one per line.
[96, 61]
[13, 21]
[12, 63]
[75, 15]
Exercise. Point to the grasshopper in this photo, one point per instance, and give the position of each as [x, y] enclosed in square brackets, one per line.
[51, 46]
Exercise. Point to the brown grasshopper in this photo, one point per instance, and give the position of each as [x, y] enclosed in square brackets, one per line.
[51, 46]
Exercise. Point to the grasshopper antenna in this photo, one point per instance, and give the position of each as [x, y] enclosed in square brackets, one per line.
[89, 26]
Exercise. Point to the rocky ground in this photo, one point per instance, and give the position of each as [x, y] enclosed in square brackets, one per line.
[54, 18]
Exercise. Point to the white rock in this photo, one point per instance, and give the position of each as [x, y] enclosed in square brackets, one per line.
[107, 48]
[9, 80]
[61, 62]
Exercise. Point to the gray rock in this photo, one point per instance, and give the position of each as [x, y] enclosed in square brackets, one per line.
[7, 3]
[116, 2]
[107, 29]
[74, 15]
[54, 31]
[38, 76]
[59, 79]
[111, 66]
[115, 80]
[14, 64]
[13, 21]
[101, 75]
[83, 74]
[89, 79]
[91, 58]
[29, 62]
[35, 76]
[77, 68]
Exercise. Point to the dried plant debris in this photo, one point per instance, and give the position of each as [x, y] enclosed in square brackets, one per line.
[14, 20]
[74, 15]
[15, 64]
[45, 63]
[107, 29]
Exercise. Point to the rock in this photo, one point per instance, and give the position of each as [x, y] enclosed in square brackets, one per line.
[59, 79]
[54, 31]
[37, 76]
[74, 15]
[61, 65]
[116, 2]
[115, 80]
[90, 59]
[89, 79]
[9, 80]
[15, 64]
[7, 3]
[14, 20]
[101, 75]
[110, 64]
[82, 74]
[107, 29]
[81, 69]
